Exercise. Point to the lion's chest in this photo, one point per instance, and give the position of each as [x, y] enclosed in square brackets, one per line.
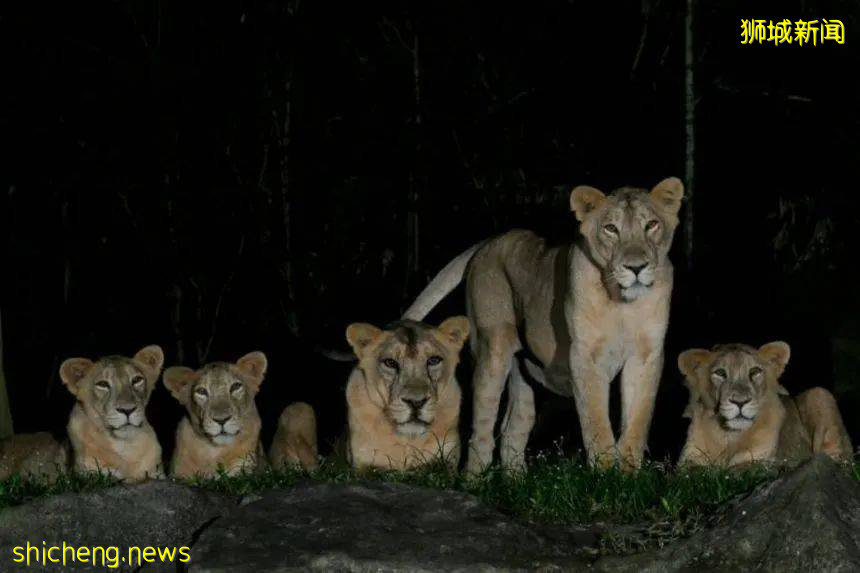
[197, 456]
[596, 334]
[601, 338]
[132, 458]
[606, 334]
[393, 451]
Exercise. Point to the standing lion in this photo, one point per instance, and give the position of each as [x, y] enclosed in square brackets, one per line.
[573, 317]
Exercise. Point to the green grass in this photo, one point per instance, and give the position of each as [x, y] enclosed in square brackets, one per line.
[554, 490]
[15, 490]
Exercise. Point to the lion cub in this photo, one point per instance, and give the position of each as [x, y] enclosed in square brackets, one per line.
[222, 426]
[741, 413]
[403, 398]
[108, 428]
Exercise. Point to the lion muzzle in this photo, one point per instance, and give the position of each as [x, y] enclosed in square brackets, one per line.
[738, 412]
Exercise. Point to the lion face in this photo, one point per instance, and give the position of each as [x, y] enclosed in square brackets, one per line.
[219, 397]
[114, 390]
[408, 366]
[734, 380]
[628, 233]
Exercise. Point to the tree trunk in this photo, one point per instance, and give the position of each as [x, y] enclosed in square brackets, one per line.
[415, 180]
[6, 429]
[284, 134]
[689, 131]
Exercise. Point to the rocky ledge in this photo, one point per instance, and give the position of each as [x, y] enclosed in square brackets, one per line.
[808, 520]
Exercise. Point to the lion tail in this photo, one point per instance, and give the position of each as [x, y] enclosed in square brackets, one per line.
[442, 284]
[295, 441]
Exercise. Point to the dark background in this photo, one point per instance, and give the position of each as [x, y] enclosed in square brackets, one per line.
[220, 177]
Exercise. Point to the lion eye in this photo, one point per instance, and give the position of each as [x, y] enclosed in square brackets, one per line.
[610, 229]
[202, 392]
[103, 385]
[755, 372]
[235, 387]
[390, 363]
[651, 225]
[434, 361]
[720, 373]
[137, 381]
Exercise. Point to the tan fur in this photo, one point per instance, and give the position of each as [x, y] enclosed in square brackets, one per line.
[820, 416]
[295, 441]
[403, 397]
[221, 431]
[580, 313]
[107, 428]
[741, 414]
[36, 455]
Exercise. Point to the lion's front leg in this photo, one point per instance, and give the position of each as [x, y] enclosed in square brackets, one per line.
[591, 394]
[753, 454]
[640, 378]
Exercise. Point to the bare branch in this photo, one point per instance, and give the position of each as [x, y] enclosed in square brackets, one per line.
[225, 289]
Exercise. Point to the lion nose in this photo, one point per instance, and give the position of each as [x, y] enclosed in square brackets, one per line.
[635, 269]
[127, 411]
[222, 421]
[739, 402]
[415, 403]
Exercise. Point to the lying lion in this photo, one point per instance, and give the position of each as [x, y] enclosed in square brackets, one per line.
[222, 426]
[108, 430]
[36, 455]
[741, 413]
[403, 398]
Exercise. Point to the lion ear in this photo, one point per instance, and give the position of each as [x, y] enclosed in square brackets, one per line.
[777, 354]
[73, 370]
[360, 335]
[456, 330]
[584, 200]
[178, 379]
[690, 360]
[254, 364]
[152, 357]
[668, 193]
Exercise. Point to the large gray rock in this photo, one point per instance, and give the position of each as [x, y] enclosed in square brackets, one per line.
[378, 527]
[808, 520]
[156, 514]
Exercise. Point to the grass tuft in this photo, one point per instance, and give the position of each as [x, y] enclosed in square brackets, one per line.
[17, 490]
